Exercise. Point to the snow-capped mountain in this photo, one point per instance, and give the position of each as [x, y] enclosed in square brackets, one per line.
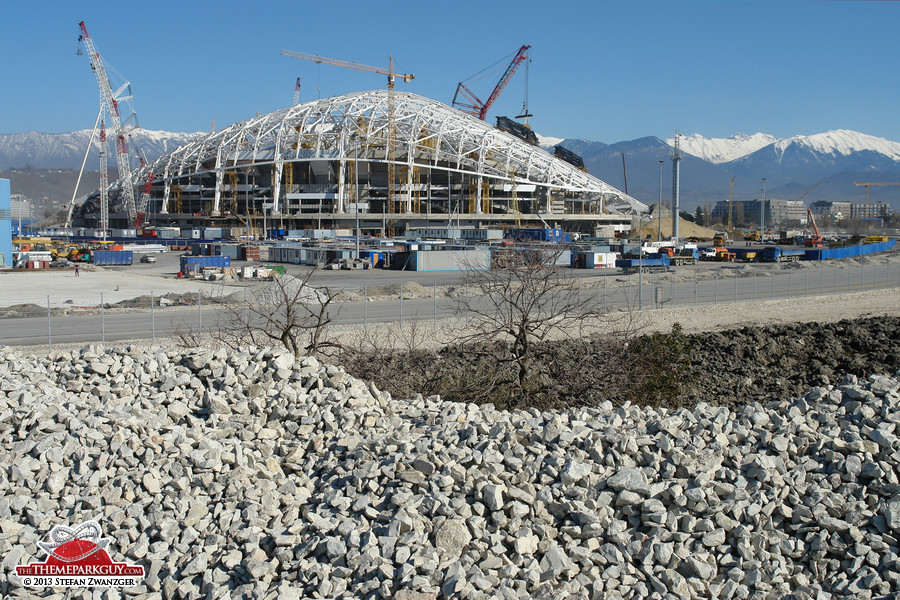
[810, 158]
[722, 150]
[66, 150]
[840, 141]
[547, 141]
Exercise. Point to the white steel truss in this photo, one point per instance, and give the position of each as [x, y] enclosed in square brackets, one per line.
[429, 134]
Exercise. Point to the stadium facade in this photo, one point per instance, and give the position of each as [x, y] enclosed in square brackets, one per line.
[389, 159]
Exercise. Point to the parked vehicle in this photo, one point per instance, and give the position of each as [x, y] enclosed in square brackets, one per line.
[648, 264]
[148, 258]
[778, 254]
[725, 255]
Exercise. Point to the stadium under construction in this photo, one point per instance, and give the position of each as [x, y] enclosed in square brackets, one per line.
[381, 159]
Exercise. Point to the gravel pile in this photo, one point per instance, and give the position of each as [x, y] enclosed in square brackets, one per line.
[247, 474]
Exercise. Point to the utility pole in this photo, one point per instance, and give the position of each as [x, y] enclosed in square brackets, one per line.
[659, 205]
[676, 172]
[731, 209]
[762, 212]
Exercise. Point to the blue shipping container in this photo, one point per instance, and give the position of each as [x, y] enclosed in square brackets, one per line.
[195, 263]
[112, 257]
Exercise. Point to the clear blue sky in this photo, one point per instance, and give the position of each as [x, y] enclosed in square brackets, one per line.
[605, 71]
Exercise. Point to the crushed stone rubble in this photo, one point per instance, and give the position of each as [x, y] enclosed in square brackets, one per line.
[249, 474]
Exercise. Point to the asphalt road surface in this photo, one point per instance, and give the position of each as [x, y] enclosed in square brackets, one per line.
[732, 284]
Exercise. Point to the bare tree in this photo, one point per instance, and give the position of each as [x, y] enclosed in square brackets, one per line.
[524, 300]
[288, 310]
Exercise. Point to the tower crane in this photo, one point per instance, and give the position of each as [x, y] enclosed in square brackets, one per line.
[473, 105]
[104, 184]
[867, 184]
[110, 100]
[391, 129]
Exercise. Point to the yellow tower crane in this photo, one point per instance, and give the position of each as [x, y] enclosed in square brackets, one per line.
[867, 184]
[391, 129]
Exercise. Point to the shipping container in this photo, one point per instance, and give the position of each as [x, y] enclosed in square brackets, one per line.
[445, 260]
[376, 259]
[193, 264]
[594, 260]
[232, 251]
[112, 257]
[554, 235]
[212, 233]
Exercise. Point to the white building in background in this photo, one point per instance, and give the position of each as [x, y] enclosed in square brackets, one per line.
[777, 213]
[20, 209]
[843, 211]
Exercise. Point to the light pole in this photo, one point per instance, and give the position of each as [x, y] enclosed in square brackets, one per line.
[356, 176]
[659, 205]
[762, 212]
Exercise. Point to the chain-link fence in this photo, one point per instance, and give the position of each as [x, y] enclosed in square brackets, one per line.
[59, 318]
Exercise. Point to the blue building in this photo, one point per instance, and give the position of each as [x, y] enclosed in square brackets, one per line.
[5, 226]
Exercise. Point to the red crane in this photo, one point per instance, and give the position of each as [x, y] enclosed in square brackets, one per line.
[817, 240]
[476, 107]
[111, 100]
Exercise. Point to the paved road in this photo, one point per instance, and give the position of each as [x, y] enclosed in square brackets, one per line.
[642, 292]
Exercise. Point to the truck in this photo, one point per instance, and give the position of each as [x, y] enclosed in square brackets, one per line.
[681, 256]
[720, 239]
[718, 253]
[647, 264]
[778, 254]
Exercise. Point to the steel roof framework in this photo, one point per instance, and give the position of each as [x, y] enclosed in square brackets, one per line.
[354, 127]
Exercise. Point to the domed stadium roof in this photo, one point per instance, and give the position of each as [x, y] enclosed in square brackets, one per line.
[427, 134]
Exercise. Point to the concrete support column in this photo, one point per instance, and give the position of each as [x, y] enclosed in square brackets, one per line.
[218, 194]
[276, 189]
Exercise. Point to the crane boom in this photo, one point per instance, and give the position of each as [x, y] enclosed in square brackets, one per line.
[406, 77]
[867, 184]
[111, 100]
[477, 107]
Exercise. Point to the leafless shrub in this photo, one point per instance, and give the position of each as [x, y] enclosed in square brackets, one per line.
[288, 311]
[521, 302]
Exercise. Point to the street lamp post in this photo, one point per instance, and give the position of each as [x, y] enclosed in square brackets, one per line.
[762, 212]
[356, 175]
[659, 205]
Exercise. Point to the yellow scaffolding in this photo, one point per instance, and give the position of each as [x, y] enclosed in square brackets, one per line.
[176, 199]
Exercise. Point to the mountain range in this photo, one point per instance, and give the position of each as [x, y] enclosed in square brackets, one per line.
[823, 166]
[816, 167]
[66, 150]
